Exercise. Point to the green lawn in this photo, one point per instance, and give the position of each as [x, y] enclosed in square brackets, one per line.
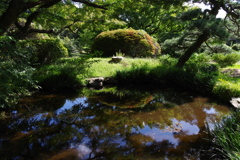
[102, 68]
[236, 66]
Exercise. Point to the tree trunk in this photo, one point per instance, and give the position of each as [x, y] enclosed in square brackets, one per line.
[9, 17]
[193, 48]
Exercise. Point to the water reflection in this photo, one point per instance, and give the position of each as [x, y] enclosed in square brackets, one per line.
[108, 124]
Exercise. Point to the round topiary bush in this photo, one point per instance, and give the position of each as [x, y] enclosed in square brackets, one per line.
[44, 51]
[132, 43]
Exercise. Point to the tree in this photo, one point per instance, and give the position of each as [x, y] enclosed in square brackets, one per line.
[23, 13]
[155, 20]
[208, 25]
[30, 10]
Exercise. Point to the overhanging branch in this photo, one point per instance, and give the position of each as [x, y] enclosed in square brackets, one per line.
[230, 10]
[88, 3]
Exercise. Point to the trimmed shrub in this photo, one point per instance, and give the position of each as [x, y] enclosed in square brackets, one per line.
[133, 43]
[44, 51]
[226, 59]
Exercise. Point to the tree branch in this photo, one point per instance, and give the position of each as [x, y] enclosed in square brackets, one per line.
[41, 31]
[45, 4]
[193, 48]
[51, 31]
[92, 4]
[34, 4]
[209, 47]
[230, 10]
[18, 25]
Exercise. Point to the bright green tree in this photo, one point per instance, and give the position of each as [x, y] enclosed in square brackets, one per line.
[53, 15]
[155, 19]
[206, 24]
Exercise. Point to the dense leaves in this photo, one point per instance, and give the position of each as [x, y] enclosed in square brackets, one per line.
[43, 51]
[15, 72]
[133, 43]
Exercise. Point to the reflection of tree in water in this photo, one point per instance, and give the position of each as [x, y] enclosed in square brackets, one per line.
[97, 131]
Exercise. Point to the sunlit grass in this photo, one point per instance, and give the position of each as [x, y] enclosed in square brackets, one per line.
[236, 66]
[227, 87]
[102, 68]
[61, 74]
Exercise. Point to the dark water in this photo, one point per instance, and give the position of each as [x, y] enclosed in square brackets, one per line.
[126, 124]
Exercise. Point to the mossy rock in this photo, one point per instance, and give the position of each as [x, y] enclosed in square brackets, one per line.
[133, 43]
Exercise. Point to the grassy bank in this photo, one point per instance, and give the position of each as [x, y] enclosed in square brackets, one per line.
[197, 75]
[69, 74]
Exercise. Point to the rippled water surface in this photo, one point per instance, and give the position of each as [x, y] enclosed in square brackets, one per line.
[108, 124]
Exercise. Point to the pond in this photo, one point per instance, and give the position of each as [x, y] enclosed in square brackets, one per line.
[145, 123]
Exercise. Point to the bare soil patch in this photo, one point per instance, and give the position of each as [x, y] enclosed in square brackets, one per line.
[232, 72]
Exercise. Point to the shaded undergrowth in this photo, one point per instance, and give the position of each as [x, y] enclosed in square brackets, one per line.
[64, 75]
[200, 77]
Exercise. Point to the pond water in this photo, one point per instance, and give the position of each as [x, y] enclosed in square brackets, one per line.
[144, 124]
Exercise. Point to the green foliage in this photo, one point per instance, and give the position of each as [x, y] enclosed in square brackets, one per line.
[176, 46]
[153, 18]
[190, 14]
[236, 47]
[3, 5]
[170, 47]
[199, 62]
[137, 74]
[65, 74]
[218, 48]
[71, 44]
[226, 59]
[133, 43]
[235, 66]
[15, 72]
[44, 51]
[225, 137]
[197, 75]
[225, 89]
[119, 54]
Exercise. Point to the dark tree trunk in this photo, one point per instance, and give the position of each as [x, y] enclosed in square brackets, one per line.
[9, 17]
[193, 48]
[202, 38]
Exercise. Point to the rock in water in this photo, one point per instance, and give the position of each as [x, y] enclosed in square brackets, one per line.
[96, 82]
